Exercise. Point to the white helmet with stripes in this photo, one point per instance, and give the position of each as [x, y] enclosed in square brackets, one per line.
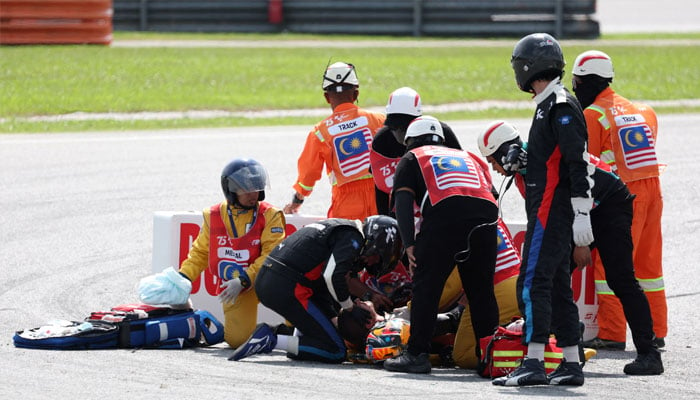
[404, 101]
[495, 135]
[594, 62]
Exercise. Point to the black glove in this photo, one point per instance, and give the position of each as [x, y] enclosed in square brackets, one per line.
[360, 315]
[515, 159]
[402, 295]
[352, 325]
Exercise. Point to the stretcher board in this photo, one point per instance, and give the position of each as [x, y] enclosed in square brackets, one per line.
[175, 231]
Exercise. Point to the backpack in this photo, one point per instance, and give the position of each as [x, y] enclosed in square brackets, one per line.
[127, 326]
[163, 327]
[69, 335]
[503, 352]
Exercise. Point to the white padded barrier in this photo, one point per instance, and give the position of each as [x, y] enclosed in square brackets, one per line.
[175, 231]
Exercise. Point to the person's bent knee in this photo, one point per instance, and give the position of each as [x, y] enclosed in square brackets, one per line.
[236, 337]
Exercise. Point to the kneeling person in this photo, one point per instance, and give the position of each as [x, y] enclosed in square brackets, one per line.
[304, 279]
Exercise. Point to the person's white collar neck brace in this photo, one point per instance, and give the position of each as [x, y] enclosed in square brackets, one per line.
[551, 87]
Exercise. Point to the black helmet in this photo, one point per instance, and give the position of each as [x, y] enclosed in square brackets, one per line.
[382, 238]
[243, 175]
[536, 56]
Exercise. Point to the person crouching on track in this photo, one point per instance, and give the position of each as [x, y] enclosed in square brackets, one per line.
[304, 279]
[235, 238]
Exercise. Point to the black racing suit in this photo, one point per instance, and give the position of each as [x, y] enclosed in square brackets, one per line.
[304, 280]
[444, 231]
[385, 144]
[558, 169]
[611, 220]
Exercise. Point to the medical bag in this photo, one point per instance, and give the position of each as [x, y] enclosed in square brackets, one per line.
[127, 326]
[503, 351]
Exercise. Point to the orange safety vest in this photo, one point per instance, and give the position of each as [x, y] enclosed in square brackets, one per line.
[341, 142]
[623, 134]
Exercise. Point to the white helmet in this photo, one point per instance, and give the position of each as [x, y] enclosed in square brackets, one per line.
[425, 125]
[594, 62]
[340, 73]
[404, 101]
[495, 135]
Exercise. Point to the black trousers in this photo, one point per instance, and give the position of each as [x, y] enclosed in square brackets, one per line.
[612, 229]
[309, 310]
[544, 289]
[436, 245]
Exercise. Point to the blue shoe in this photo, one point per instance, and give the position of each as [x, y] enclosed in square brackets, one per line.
[263, 340]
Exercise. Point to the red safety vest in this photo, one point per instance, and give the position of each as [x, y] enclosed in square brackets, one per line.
[449, 172]
[228, 256]
[383, 170]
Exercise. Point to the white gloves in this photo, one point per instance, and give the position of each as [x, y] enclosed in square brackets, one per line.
[232, 288]
[167, 287]
[583, 233]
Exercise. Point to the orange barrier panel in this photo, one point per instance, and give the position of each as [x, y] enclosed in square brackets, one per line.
[55, 21]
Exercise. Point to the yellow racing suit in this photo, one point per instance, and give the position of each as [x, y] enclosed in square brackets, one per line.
[240, 318]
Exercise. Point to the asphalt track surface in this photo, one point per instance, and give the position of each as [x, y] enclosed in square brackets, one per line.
[76, 215]
[76, 233]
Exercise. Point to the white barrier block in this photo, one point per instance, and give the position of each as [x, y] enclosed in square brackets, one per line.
[173, 235]
[174, 232]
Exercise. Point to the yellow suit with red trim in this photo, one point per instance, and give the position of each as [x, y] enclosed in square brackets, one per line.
[341, 143]
[623, 134]
[240, 318]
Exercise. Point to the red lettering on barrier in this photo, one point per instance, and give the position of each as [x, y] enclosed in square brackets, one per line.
[289, 229]
[188, 233]
[577, 283]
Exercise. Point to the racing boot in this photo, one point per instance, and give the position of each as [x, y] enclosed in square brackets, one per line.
[408, 362]
[530, 372]
[604, 344]
[660, 342]
[646, 364]
[567, 373]
[263, 340]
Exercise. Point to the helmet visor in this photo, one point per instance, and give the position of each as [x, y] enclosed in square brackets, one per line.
[250, 178]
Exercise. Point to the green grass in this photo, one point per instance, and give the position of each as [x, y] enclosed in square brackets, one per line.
[136, 35]
[53, 80]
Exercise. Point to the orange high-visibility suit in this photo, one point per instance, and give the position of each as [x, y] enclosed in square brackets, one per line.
[341, 142]
[623, 135]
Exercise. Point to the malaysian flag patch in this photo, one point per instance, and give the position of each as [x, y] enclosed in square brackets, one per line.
[637, 146]
[352, 151]
[506, 255]
[454, 171]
